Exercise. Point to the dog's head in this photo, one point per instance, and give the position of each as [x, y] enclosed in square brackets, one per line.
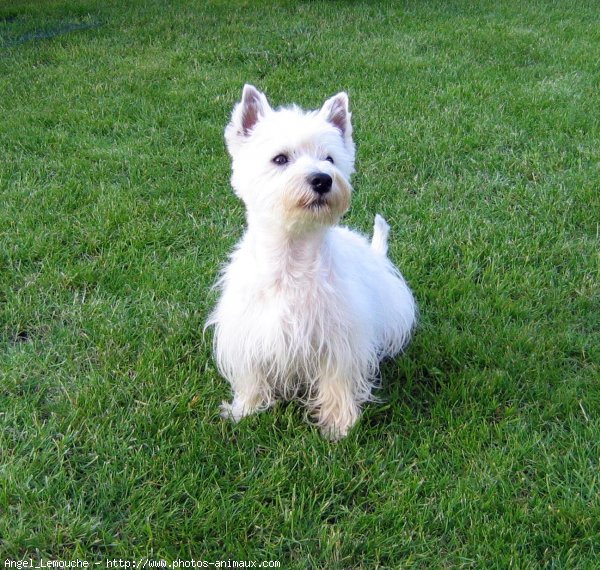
[291, 168]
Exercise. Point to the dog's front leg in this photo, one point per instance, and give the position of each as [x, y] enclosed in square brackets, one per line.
[249, 397]
[335, 406]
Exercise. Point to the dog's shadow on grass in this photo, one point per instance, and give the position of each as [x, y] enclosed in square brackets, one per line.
[406, 394]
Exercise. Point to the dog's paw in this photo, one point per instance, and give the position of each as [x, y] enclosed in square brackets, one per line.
[233, 411]
[335, 426]
[333, 432]
[239, 408]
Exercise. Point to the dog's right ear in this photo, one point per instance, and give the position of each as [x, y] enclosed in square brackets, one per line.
[246, 114]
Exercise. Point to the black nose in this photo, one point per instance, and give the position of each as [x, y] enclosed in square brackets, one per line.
[320, 182]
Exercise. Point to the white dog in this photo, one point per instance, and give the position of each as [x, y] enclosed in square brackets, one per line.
[307, 309]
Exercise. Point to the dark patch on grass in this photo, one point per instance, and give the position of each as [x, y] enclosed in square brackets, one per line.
[66, 28]
[9, 19]
[22, 336]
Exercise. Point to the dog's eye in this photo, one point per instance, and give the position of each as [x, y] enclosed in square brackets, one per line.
[329, 159]
[281, 159]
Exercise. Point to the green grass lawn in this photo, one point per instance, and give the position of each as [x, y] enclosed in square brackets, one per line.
[478, 134]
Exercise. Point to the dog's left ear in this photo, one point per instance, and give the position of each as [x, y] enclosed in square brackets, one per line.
[335, 110]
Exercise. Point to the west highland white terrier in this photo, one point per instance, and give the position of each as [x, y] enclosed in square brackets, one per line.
[308, 309]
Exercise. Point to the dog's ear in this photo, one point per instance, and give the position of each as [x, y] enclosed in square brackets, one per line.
[246, 114]
[335, 110]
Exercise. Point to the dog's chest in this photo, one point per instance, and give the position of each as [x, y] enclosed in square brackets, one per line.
[288, 313]
[297, 312]
[297, 325]
[303, 306]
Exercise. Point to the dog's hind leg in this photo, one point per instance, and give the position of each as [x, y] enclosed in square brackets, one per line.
[381, 230]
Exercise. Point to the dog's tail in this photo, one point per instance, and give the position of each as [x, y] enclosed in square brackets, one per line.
[381, 230]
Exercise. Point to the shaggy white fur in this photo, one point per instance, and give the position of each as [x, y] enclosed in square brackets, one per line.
[307, 308]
